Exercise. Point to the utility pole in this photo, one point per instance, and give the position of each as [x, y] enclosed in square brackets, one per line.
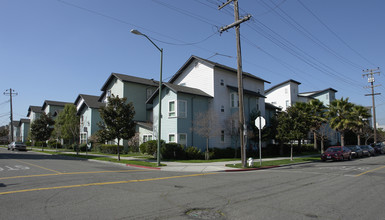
[236, 24]
[369, 73]
[11, 92]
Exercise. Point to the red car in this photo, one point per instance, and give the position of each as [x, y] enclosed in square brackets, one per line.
[336, 153]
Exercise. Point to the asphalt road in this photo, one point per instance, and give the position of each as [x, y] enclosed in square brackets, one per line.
[38, 186]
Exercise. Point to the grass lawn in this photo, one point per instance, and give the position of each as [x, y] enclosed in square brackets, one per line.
[277, 162]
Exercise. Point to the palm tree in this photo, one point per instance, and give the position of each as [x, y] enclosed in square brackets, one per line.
[360, 116]
[317, 117]
[340, 116]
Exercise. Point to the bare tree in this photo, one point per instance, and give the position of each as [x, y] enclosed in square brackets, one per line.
[231, 127]
[206, 125]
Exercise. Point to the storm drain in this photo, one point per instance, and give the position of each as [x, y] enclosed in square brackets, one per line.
[205, 214]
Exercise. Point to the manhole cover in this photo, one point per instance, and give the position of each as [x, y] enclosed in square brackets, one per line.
[205, 214]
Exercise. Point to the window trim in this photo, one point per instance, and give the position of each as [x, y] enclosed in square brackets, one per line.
[235, 103]
[178, 113]
[172, 112]
[178, 140]
[175, 136]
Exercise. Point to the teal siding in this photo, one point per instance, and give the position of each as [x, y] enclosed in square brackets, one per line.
[137, 94]
[95, 119]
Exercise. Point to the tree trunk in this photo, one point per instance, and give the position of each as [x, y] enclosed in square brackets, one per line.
[291, 150]
[359, 139]
[342, 139]
[322, 144]
[118, 150]
[315, 140]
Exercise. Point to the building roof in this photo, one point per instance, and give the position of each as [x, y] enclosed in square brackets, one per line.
[280, 84]
[180, 89]
[214, 64]
[245, 91]
[146, 125]
[54, 103]
[316, 92]
[36, 109]
[90, 101]
[271, 106]
[24, 120]
[127, 78]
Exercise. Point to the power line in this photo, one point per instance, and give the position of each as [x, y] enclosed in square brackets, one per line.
[334, 33]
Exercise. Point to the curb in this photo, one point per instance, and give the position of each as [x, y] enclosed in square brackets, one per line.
[144, 167]
[264, 168]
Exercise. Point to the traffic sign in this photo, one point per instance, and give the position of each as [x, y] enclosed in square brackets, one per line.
[260, 122]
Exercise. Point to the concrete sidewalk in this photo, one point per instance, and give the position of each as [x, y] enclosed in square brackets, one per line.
[184, 167]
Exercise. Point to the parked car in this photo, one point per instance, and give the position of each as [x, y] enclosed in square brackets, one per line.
[356, 151]
[379, 148]
[17, 145]
[336, 153]
[367, 150]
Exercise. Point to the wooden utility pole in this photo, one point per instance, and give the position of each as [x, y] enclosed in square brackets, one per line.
[11, 92]
[370, 75]
[236, 24]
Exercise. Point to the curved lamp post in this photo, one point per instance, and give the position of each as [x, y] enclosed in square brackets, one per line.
[160, 92]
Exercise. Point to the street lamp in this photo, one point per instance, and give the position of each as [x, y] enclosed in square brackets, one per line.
[160, 92]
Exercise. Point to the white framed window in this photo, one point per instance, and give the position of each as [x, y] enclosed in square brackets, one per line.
[171, 109]
[182, 139]
[179, 110]
[171, 138]
[83, 138]
[147, 137]
[234, 100]
[222, 136]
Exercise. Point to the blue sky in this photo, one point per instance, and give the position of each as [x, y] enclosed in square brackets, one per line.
[55, 50]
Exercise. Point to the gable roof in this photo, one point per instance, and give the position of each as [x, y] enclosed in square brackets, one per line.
[280, 84]
[247, 91]
[90, 101]
[271, 106]
[181, 89]
[54, 103]
[316, 92]
[214, 64]
[36, 109]
[24, 120]
[127, 78]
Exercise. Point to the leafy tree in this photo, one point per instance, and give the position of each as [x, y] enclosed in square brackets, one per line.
[117, 120]
[41, 129]
[67, 123]
[360, 116]
[340, 116]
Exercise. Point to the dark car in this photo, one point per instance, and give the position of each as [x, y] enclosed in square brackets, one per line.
[379, 148]
[336, 153]
[367, 150]
[356, 151]
[17, 145]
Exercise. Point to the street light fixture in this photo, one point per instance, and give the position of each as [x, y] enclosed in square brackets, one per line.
[160, 91]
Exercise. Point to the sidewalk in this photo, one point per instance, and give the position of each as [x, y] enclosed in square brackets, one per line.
[186, 167]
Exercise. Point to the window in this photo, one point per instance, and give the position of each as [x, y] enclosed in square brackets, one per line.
[222, 136]
[182, 139]
[182, 109]
[171, 138]
[83, 138]
[286, 91]
[171, 109]
[234, 100]
[108, 93]
[222, 108]
[287, 103]
[222, 82]
[177, 111]
[147, 137]
[327, 96]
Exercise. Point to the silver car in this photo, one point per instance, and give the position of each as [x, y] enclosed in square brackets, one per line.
[17, 145]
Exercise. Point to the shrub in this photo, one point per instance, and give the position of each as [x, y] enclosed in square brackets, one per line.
[83, 147]
[39, 143]
[143, 148]
[110, 149]
[193, 153]
[216, 153]
[150, 147]
[133, 148]
[54, 144]
[173, 151]
[28, 143]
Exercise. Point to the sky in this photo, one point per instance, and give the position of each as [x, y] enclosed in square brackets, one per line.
[57, 49]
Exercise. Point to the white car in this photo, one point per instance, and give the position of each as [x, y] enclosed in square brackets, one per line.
[17, 145]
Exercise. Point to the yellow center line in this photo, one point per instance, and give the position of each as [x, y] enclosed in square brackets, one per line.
[39, 166]
[369, 171]
[72, 173]
[104, 183]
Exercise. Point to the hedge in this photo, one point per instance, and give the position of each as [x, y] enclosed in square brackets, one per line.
[109, 149]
